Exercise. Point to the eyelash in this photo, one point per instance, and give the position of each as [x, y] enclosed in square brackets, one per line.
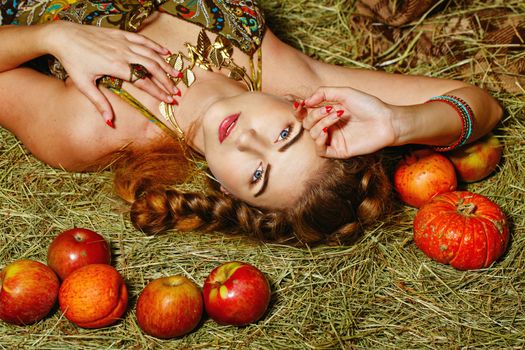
[260, 168]
[289, 128]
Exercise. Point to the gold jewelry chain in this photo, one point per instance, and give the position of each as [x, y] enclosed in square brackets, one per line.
[208, 56]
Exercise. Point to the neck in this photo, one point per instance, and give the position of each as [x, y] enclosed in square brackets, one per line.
[197, 100]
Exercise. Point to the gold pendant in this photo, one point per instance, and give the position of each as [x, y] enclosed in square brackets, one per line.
[211, 57]
[166, 110]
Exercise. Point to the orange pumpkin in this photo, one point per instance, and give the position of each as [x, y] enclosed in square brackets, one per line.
[463, 229]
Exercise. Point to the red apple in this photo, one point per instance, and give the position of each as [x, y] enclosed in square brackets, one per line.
[28, 291]
[421, 175]
[76, 248]
[236, 293]
[169, 307]
[477, 160]
[93, 296]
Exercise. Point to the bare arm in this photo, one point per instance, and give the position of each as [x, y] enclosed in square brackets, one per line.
[382, 109]
[20, 45]
[438, 123]
[88, 53]
[416, 122]
[54, 120]
[46, 116]
[358, 123]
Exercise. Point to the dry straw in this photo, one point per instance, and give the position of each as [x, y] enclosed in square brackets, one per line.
[380, 293]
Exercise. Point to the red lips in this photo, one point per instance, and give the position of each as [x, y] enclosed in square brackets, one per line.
[227, 126]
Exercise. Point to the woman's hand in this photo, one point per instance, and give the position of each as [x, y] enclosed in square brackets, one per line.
[89, 52]
[345, 122]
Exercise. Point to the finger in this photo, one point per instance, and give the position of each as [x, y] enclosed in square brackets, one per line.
[323, 125]
[142, 40]
[162, 87]
[99, 100]
[159, 69]
[320, 144]
[154, 56]
[332, 94]
[154, 90]
[173, 93]
[299, 111]
[123, 71]
[315, 115]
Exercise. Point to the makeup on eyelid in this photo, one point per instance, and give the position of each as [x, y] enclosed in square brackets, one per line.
[265, 151]
[255, 179]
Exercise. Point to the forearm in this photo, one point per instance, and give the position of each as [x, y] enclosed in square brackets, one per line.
[21, 44]
[439, 124]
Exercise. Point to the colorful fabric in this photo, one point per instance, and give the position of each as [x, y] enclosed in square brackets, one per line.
[240, 21]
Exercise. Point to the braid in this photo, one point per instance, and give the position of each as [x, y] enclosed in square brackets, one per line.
[161, 210]
[335, 204]
[375, 189]
[372, 201]
[347, 194]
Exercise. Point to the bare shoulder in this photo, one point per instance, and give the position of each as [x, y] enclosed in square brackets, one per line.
[60, 126]
[286, 69]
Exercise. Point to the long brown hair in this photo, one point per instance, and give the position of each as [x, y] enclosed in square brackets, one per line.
[343, 197]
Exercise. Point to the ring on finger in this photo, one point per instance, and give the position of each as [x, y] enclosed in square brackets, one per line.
[137, 72]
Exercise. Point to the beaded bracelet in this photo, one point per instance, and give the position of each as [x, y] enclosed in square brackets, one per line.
[464, 112]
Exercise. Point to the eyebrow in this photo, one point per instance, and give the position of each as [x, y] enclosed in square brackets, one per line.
[281, 149]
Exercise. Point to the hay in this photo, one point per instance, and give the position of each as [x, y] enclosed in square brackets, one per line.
[380, 293]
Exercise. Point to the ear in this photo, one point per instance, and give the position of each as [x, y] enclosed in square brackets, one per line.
[291, 98]
[225, 191]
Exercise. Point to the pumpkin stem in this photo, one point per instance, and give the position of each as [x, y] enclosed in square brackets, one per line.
[466, 209]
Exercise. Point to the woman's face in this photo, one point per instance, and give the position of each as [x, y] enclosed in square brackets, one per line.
[258, 150]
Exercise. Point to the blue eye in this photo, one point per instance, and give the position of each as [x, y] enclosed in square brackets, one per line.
[258, 174]
[285, 133]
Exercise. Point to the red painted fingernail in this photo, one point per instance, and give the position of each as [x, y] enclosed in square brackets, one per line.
[340, 112]
[328, 109]
[110, 123]
[296, 105]
[325, 130]
[303, 103]
[180, 75]
[178, 93]
[174, 103]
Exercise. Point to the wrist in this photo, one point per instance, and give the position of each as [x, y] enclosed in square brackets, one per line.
[48, 37]
[428, 124]
[403, 123]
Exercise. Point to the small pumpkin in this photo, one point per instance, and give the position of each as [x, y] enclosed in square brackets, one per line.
[463, 229]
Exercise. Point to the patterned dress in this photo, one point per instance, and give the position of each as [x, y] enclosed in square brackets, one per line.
[240, 21]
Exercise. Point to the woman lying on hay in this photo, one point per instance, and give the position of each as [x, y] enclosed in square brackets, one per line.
[290, 141]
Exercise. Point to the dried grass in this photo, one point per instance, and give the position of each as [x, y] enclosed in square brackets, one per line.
[380, 293]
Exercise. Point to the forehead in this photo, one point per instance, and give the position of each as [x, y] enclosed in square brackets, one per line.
[262, 101]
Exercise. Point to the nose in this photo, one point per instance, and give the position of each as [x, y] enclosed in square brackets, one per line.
[250, 140]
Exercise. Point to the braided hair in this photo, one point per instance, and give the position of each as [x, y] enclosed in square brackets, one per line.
[337, 202]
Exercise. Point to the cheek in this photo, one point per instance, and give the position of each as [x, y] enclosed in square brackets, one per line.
[228, 172]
